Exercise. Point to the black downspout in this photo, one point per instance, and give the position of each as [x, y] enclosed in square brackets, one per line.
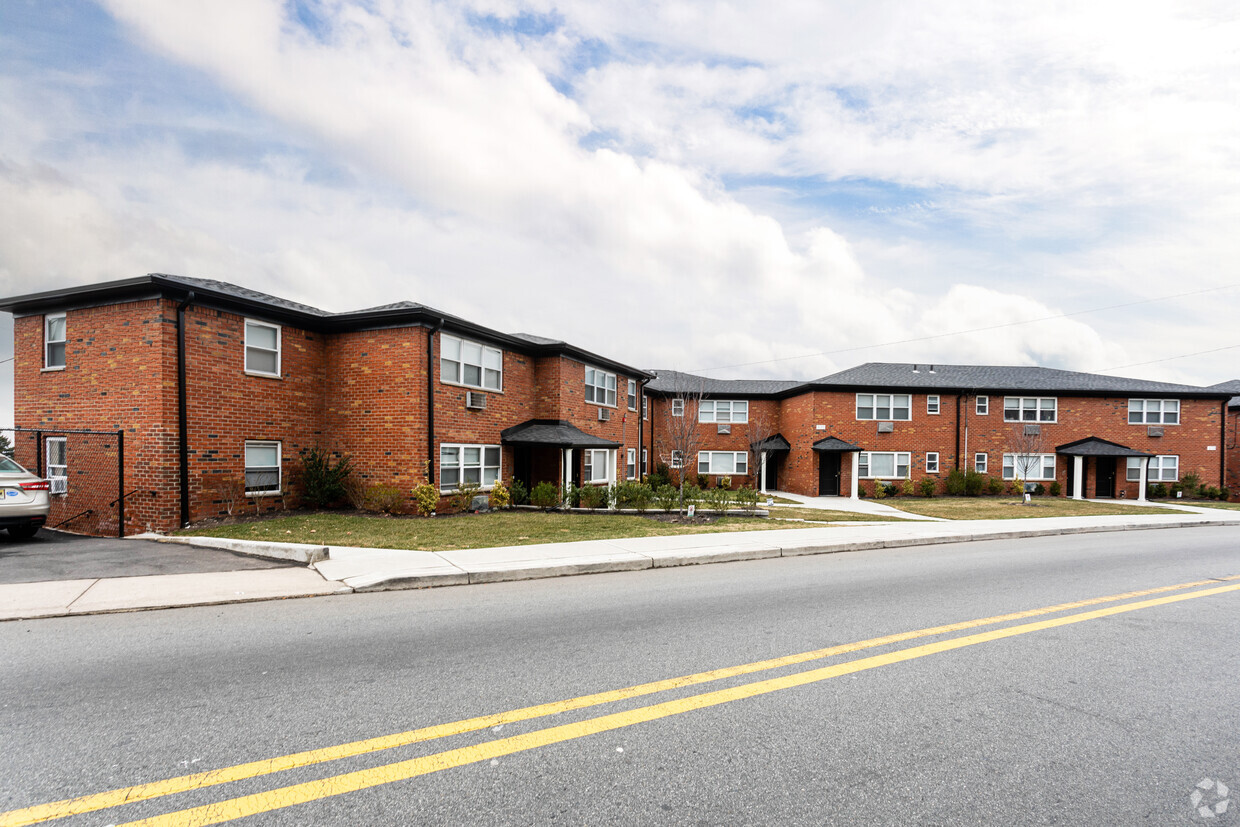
[1222, 450]
[182, 411]
[641, 425]
[430, 402]
[958, 395]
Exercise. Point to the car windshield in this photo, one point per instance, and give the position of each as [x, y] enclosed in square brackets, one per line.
[8, 466]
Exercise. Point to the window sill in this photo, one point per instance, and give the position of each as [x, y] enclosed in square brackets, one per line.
[256, 494]
[264, 375]
[470, 387]
[52, 370]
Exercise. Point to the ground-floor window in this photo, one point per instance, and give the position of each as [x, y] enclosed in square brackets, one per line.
[882, 465]
[595, 466]
[979, 463]
[1029, 466]
[1162, 469]
[262, 467]
[677, 459]
[644, 458]
[57, 448]
[630, 465]
[932, 462]
[468, 465]
[723, 462]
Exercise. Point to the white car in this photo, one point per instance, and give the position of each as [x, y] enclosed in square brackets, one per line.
[24, 500]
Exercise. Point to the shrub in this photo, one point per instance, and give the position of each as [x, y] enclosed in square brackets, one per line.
[1190, 483]
[520, 494]
[592, 496]
[463, 496]
[724, 482]
[572, 495]
[355, 492]
[973, 483]
[666, 496]
[702, 481]
[1157, 491]
[659, 478]
[927, 486]
[880, 490]
[718, 500]
[545, 495]
[995, 486]
[1039, 489]
[640, 497]
[693, 494]
[747, 499]
[322, 481]
[907, 488]
[1210, 493]
[1055, 489]
[386, 499]
[1224, 494]
[955, 482]
[500, 495]
[425, 498]
[861, 492]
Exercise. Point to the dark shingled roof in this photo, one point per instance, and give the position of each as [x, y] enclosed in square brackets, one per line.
[241, 293]
[773, 443]
[1094, 447]
[834, 444]
[1232, 386]
[995, 378]
[556, 432]
[674, 381]
[537, 340]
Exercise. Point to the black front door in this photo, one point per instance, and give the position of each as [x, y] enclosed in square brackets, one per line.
[772, 471]
[1104, 484]
[523, 465]
[828, 475]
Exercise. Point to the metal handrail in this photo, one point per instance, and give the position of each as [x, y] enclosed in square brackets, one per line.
[118, 499]
[74, 517]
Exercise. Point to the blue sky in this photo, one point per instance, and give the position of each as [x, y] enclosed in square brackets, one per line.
[683, 184]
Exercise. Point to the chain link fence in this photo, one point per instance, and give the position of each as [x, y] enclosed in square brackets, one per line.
[86, 473]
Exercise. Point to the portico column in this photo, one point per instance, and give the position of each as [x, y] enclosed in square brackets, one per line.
[1078, 477]
[762, 473]
[856, 469]
[1145, 464]
[568, 468]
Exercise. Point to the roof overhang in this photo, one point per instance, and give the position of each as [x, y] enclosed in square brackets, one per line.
[835, 445]
[554, 433]
[1094, 447]
[773, 443]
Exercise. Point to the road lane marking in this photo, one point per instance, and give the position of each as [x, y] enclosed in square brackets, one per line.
[156, 789]
[277, 799]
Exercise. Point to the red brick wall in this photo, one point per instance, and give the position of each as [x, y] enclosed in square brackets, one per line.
[763, 421]
[1231, 444]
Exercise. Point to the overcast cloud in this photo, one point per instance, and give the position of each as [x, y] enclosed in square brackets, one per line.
[694, 185]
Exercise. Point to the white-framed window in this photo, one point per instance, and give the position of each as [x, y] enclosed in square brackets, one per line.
[1162, 469]
[54, 339]
[472, 364]
[678, 407]
[632, 394]
[723, 410]
[645, 407]
[723, 462]
[884, 406]
[932, 404]
[600, 387]
[980, 462]
[982, 405]
[644, 465]
[1153, 412]
[596, 465]
[630, 465]
[1029, 466]
[883, 465]
[262, 348]
[468, 464]
[932, 462]
[1030, 408]
[262, 468]
[677, 459]
[56, 451]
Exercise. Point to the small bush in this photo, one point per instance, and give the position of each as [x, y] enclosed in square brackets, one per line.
[592, 497]
[1224, 494]
[666, 496]
[640, 497]
[719, 500]
[425, 498]
[880, 490]
[995, 486]
[1157, 491]
[702, 481]
[545, 495]
[724, 482]
[973, 483]
[927, 486]
[1055, 489]
[661, 477]
[520, 494]
[747, 499]
[693, 494]
[322, 481]
[955, 483]
[1210, 492]
[1189, 483]
[501, 497]
[907, 488]
[861, 492]
[386, 499]
[355, 492]
[463, 496]
[1039, 490]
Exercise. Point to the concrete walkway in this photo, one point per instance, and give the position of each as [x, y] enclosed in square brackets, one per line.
[328, 570]
[858, 506]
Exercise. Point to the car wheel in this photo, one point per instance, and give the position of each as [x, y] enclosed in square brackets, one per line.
[22, 532]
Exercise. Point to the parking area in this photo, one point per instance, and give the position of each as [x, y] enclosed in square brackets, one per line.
[54, 555]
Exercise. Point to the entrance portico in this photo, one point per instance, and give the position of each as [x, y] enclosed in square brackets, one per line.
[1104, 458]
[770, 452]
[549, 450]
[830, 459]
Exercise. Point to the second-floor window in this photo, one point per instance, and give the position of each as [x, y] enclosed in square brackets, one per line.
[932, 404]
[471, 364]
[1029, 408]
[884, 406]
[982, 405]
[678, 407]
[54, 342]
[723, 410]
[632, 395]
[262, 348]
[1153, 412]
[600, 387]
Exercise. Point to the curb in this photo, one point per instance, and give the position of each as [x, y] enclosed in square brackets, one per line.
[296, 552]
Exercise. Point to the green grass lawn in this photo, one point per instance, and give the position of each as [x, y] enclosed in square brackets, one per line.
[1203, 504]
[1011, 508]
[503, 528]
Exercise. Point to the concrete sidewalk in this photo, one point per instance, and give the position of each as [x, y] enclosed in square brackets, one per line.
[341, 569]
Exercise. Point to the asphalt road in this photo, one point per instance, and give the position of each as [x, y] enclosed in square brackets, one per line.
[1072, 716]
[55, 555]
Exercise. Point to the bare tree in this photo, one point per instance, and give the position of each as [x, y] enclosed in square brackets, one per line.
[1026, 445]
[681, 436]
[761, 428]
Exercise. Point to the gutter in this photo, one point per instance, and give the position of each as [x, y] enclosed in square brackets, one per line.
[182, 410]
[430, 400]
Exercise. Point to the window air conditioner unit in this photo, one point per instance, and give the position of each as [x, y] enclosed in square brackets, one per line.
[476, 401]
[59, 485]
[604, 415]
[886, 427]
[1154, 430]
[725, 429]
[1033, 430]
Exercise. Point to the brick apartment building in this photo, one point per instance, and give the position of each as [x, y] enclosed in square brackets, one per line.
[216, 386]
[1232, 439]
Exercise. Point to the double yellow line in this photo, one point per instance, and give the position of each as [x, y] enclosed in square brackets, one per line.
[362, 779]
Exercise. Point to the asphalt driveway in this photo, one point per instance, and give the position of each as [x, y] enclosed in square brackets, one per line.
[53, 555]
